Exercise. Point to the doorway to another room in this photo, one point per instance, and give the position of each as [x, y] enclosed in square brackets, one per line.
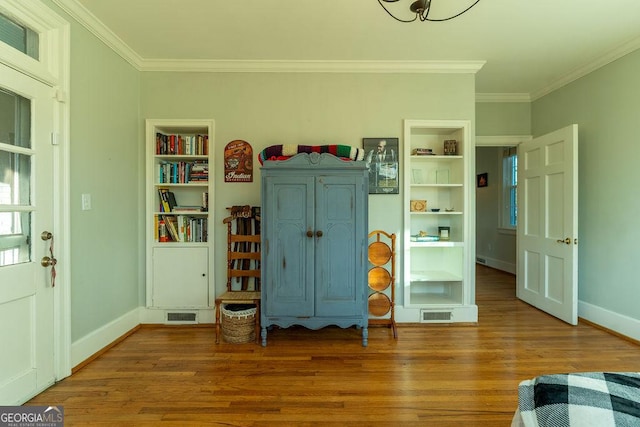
[496, 207]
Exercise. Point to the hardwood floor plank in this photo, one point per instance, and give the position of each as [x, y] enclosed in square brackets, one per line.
[435, 374]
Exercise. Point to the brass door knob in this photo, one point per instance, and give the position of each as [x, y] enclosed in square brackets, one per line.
[48, 261]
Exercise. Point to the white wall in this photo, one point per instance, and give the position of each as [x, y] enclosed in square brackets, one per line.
[304, 108]
[605, 104]
[106, 242]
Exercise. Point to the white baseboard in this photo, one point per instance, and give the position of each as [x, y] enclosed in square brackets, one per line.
[496, 263]
[92, 343]
[619, 323]
[97, 340]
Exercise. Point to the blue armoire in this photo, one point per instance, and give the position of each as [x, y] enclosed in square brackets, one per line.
[314, 243]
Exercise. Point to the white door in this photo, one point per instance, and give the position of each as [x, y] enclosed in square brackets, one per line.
[26, 210]
[548, 223]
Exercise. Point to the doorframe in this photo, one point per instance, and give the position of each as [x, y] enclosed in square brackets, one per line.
[52, 69]
[501, 141]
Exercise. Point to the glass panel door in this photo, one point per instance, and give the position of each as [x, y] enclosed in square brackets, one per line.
[15, 181]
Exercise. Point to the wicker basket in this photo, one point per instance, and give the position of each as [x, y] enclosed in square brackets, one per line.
[238, 323]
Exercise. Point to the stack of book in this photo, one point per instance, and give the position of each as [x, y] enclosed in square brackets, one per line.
[424, 238]
[199, 171]
[422, 152]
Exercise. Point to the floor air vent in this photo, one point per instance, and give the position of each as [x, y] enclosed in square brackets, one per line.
[182, 318]
[436, 316]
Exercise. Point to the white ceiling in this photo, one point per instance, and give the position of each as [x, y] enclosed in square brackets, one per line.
[530, 47]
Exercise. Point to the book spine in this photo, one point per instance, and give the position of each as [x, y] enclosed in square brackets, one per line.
[171, 228]
[181, 228]
[162, 232]
[164, 200]
[155, 228]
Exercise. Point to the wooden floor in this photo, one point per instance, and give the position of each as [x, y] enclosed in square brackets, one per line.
[433, 375]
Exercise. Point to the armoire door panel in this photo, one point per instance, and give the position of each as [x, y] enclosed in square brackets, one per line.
[291, 282]
[336, 214]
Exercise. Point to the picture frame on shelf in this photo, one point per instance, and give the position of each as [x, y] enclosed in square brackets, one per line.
[381, 156]
[483, 180]
[444, 233]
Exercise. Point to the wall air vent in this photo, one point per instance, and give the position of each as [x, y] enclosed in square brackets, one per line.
[428, 316]
[182, 318]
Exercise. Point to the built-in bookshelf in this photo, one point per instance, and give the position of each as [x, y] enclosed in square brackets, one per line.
[178, 191]
[438, 265]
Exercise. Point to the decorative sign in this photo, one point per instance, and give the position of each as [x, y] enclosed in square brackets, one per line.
[238, 162]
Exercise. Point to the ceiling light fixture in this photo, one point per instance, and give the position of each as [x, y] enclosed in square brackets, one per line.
[421, 8]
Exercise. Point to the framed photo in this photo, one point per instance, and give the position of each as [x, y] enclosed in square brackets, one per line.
[444, 233]
[483, 179]
[381, 156]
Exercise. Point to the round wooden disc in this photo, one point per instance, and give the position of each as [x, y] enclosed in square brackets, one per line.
[379, 253]
[379, 304]
[379, 279]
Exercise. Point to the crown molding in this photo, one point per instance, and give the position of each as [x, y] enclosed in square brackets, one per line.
[503, 97]
[312, 66]
[88, 20]
[103, 33]
[599, 62]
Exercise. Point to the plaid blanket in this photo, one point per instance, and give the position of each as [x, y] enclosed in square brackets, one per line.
[285, 151]
[598, 399]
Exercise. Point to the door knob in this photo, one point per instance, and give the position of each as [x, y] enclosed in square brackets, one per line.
[48, 261]
[309, 233]
[45, 235]
[567, 241]
[318, 233]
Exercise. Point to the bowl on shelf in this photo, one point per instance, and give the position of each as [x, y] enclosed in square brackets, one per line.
[435, 210]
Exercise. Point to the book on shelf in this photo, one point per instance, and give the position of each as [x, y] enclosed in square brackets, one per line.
[182, 227]
[187, 209]
[182, 172]
[175, 144]
[171, 198]
[167, 200]
[172, 227]
[162, 231]
[199, 171]
[424, 238]
[164, 200]
[205, 201]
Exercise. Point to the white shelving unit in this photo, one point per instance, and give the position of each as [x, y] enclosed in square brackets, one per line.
[180, 277]
[438, 275]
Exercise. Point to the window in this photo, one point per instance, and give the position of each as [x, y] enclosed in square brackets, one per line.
[19, 37]
[15, 178]
[509, 210]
